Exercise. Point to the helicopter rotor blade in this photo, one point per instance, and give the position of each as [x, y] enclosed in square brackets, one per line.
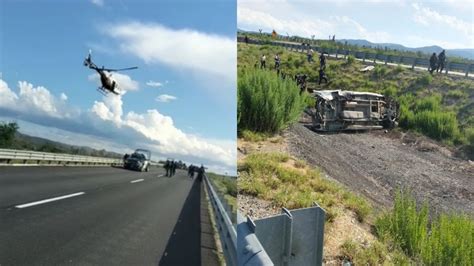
[120, 69]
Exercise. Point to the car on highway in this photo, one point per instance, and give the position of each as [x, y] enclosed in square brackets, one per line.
[336, 110]
[139, 160]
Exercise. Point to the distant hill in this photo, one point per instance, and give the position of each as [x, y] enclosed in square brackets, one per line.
[464, 53]
[26, 142]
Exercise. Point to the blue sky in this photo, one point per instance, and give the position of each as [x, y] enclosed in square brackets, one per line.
[180, 102]
[447, 23]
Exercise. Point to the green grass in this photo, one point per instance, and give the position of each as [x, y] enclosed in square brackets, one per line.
[441, 121]
[266, 103]
[377, 253]
[446, 240]
[252, 136]
[268, 176]
[227, 186]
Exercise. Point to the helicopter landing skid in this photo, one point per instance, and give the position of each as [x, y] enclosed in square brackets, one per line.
[102, 91]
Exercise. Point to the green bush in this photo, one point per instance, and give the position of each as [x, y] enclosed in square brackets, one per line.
[350, 60]
[380, 71]
[448, 240]
[405, 223]
[426, 116]
[7, 134]
[267, 103]
[426, 79]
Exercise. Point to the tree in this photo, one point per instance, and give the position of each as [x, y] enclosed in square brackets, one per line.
[7, 134]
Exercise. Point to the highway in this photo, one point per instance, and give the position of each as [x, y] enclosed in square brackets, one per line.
[102, 216]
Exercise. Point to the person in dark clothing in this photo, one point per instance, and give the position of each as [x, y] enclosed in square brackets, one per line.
[246, 39]
[167, 167]
[173, 168]
[277, 62]
[191, 171]
[433, 63]
[322, 61]
[201, 173]
[441, 61]
[125, 157]
[263, 61]
[322, 76]
[309, 54]
[301, 82]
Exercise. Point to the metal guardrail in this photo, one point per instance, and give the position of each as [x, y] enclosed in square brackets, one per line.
[366, 56]
[227, 232]
[292, 238]
[9, 156]
[289, 239]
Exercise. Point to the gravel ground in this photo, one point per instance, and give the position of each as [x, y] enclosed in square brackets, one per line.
[377, 163]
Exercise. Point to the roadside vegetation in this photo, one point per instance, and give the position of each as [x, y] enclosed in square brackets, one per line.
[11, 138]
[227, 187]
[447, 239]
[267, 103]
[438, 106]
[327, 44]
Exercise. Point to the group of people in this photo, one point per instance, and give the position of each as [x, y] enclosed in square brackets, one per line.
[299, 78]
[200, 170]
[170, 167]
[263, 62]
[437, 62]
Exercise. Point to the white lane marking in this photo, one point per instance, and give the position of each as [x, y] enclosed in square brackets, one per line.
[48, 200]
[138, 180]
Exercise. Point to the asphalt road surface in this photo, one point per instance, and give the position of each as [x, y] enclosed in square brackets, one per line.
[98, 216]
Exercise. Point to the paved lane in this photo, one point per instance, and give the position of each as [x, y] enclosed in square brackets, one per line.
[114, 222]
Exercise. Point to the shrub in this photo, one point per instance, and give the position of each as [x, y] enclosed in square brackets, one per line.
[426, 116]
[350, 60]
[448, 240]
[426, 79]
[380, 71]
[267, 103]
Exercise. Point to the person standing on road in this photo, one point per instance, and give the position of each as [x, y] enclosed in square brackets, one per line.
[167, 167]
[173, 168]
[441, 61]
[262, 61]
[433, 63]
[191, 171]
[201, 173]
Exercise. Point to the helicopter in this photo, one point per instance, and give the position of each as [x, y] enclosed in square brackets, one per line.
[108, 84]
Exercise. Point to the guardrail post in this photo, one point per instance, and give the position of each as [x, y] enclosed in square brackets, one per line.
[414, 63]
[467, 69]
[363, 56]
[292, 238]
[448, 65]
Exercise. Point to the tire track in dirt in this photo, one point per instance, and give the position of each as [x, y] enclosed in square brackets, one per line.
[376, 164]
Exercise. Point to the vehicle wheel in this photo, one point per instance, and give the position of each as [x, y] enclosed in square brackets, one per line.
[147, 169]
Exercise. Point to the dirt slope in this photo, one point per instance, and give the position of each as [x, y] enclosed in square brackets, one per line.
[377, 163]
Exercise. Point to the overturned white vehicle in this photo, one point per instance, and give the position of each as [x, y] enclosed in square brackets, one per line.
[336, 110]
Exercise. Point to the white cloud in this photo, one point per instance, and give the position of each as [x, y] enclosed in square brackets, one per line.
[344, 26]
[429, 17]
[113, 127]
[35, 100]
[124, 82]
[183, 49]
[165, 98]
[156, 84]
[98, 2]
